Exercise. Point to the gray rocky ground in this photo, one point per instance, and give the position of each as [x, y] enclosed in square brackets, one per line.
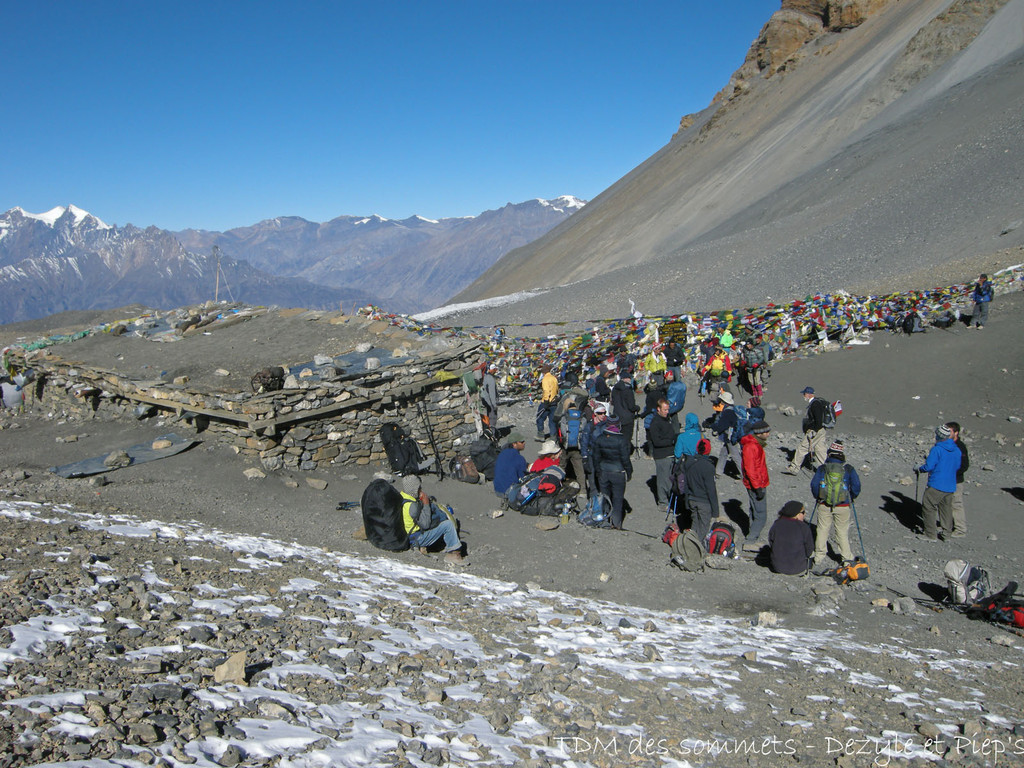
[597, 635]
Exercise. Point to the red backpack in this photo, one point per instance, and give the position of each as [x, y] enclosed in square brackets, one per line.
[719, 540]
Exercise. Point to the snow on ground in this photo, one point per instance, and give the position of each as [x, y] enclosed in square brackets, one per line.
[695, 654]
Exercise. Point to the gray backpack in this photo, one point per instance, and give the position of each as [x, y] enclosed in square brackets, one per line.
[688, 552]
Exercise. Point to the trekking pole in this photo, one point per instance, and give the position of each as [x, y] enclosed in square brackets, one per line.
[430, 437]
[813, 512]
[917, 486]
[853, 508]
[932, 605]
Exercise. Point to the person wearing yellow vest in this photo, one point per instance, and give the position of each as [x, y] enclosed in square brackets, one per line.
[426, 524]
[656, 365]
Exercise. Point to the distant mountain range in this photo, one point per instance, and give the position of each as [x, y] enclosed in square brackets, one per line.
[68, 259]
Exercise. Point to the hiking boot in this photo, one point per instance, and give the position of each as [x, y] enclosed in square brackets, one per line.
[822, 570]
[790, 470]
[424, 551]
[456, 558]
[541, 437]
[957, 534]
[926, 537]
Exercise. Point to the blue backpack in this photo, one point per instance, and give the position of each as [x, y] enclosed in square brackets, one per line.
[597, 513]
[676, 396]
[571, 427]
[745, 419]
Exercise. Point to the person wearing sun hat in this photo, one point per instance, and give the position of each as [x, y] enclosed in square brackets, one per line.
[835, 485]
[722, 425]
[610, 458]
[549, 455]
[790, 541]
[942, 464]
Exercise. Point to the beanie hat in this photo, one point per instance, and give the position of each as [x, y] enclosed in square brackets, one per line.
[761, 428]
[703, 447]
[836, 449]
[791, 509]
[611, 424]
[411, 484]
[942, 432]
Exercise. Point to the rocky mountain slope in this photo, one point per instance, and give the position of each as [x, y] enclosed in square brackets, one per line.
[859, 140]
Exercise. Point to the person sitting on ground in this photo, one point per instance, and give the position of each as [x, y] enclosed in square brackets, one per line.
[790, 540]
[510, 466]
[835, 485]
[549, 455]
[427, 524]
[686, 443]
[701, 492]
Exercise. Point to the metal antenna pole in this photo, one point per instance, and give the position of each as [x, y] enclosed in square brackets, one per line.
[216, 287]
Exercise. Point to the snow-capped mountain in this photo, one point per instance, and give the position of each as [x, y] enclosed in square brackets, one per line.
[66, 258]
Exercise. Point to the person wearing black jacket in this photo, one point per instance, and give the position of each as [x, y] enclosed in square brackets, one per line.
[959, 517]
[722, 425]
[662, 436]
[624, 406]
[609, 457]
[701, 491]
[814, 440]
[675, 357]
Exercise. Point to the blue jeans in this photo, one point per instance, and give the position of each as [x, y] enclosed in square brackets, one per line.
[546, 411]
[441, 528]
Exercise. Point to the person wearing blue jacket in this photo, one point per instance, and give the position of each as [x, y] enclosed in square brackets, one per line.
[982, 297]
[942, 464]
[686, 443]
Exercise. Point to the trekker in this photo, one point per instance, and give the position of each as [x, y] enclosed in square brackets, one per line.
[752, 360]
[813, 427]
[592, 429]
[610, 459]
[489, 396]
[655, 364]
[959, 517]
[755, 478]
[835, 485]
[547, 404]
[942, 464]
[675, 393]
[686, 443]
[624, 407]
[510, 466]
[701, 491]
[675, 358]
[549, 455]
[601, 390]
[722, 425]
[717, 369]
[662, 437]
[982, 297]
[426, 524]
[790, 541]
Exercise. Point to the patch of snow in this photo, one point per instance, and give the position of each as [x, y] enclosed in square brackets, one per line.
[454, 309]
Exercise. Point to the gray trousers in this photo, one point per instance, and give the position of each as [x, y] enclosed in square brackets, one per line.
[937, 511]
[663, 470]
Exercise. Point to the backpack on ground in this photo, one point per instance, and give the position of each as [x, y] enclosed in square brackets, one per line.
[598, 512]
[463, 469]
[268, 380]
[484, 453]
[403, 453]
[688, 552]
[966, 583]
[570, 427]
[721, 540]
[834, 488]
[852, 570]
[381, 506]
[520, 495]
[1004, 607]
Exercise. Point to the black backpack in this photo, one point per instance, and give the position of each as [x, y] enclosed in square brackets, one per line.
[403, 454]
[382, 516]
[484, 453]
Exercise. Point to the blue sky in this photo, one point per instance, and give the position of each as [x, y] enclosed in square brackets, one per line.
[216, 115]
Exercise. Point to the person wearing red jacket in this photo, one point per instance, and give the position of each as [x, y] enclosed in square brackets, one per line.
[755, 478]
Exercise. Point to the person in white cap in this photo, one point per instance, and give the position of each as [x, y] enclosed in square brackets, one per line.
[426, 524]
[814, 440]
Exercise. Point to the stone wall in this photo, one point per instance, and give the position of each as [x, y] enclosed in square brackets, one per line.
[310, 424]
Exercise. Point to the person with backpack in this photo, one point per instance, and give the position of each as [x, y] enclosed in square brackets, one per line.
[942, 464]
[718, 368]
[426, 524]
[510, 466]
[610, 459]
[768, 353]
[571, 423]
[790, 541]
[592, 429]
[752, 360]
[655, 364]
[722, 425]
[701, 491]
[662, 438]
[624, 406]
[686, 442]
[489, 396]
[675, 393]
[835, 485]
[959, 517]
[755, 478]
[982, 297]
[548, 403]
[813, 427]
